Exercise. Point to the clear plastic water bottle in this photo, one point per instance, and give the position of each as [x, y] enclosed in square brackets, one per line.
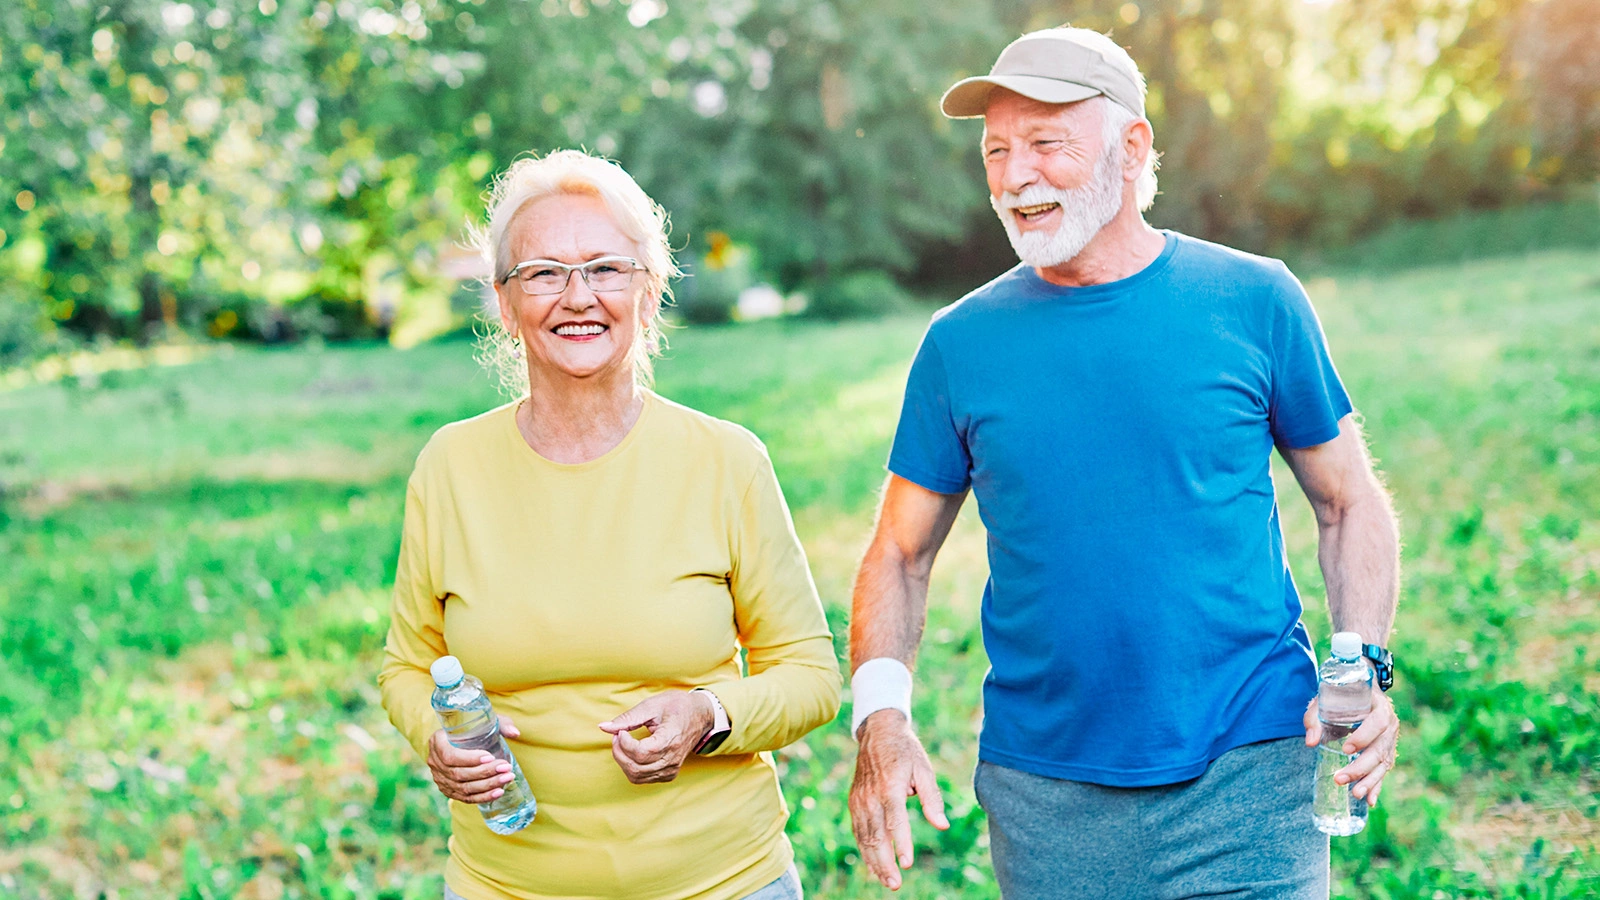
[470, 722]
[1344, 698]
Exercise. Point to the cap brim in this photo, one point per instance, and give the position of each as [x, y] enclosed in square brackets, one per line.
[968, 97]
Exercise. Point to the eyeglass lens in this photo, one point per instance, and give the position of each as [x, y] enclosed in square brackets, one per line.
[599, 275]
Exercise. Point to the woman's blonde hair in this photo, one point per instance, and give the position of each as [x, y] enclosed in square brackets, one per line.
[575, 173]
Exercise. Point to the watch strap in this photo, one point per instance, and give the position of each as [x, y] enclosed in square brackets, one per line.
[721, 727]
[1382, 664]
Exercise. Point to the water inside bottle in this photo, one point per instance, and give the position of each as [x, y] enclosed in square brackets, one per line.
[470, 722]
[1344, 698]
[1335, 810]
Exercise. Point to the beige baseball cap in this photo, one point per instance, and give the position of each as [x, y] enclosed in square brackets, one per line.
[1057, 65]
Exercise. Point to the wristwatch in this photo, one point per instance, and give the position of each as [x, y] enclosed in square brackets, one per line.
[720, 726]
[1382, 663]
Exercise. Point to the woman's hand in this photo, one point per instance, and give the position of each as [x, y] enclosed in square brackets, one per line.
[677, 721]
[471, 776]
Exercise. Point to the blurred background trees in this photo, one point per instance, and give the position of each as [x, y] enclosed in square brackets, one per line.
[285, 168]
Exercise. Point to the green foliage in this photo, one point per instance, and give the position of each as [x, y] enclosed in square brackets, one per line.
[1554, 41]
[273, 169]
[1217, 74]
[709, 292]
[1434, 115]
[1339, 181]
[857, 295]
[829, 154]
[1468, 236]
[25, 331]
[178, 158]
[1520, 71]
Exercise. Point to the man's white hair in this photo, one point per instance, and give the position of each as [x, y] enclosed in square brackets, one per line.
[1115, 119]
[573, 172]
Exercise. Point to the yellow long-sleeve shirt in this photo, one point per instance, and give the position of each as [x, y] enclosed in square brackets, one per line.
[576, 591]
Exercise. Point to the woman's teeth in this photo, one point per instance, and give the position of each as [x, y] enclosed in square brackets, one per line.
[579, 330]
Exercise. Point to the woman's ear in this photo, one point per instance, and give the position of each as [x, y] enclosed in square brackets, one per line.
[505, 302]
[649, 304]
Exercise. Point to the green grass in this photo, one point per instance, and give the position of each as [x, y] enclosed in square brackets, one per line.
[196, 560]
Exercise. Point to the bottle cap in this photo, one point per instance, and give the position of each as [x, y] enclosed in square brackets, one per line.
[1346, 645]
[447, 671]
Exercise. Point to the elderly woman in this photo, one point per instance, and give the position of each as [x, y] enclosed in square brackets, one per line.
[598, 554]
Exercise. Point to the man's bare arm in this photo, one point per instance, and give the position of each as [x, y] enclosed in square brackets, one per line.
[888, 614]
[890, 604]
[1358, 549]
[1358, 541]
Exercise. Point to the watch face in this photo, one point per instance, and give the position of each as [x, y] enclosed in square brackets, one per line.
[713, 741]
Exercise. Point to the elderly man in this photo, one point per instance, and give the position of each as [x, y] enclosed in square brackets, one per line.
[1114, 402]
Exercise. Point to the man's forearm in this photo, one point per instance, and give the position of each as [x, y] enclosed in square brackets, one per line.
[1359, 551]
[889, 607]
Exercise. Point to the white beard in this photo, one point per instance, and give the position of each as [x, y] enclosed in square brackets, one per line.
[1084, 211]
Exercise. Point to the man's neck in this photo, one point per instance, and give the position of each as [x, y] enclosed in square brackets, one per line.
[1124, 247]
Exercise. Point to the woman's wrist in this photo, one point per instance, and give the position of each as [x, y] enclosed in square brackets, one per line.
[717, 724]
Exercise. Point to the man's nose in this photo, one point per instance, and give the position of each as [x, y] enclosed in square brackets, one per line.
[1018, 172]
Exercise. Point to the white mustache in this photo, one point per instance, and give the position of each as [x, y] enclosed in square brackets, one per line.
[1034, 195]
[1084, 211]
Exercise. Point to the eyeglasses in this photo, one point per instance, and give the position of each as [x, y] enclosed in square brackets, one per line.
[546, 276]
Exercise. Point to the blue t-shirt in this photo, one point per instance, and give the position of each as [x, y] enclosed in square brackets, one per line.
[1140, 618]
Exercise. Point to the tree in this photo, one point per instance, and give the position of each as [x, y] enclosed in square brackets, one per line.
[269, 168]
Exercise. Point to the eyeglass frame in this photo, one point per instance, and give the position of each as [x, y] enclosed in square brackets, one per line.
[581, 267]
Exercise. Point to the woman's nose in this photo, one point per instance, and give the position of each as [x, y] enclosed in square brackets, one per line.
[577, 296]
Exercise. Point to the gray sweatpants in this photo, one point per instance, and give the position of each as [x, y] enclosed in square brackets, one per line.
[1241, 830]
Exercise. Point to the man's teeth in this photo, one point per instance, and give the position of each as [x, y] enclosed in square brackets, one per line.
[579, 330]
[1030, 211]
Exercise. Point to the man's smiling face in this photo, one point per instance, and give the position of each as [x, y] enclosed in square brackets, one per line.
[1054, 179]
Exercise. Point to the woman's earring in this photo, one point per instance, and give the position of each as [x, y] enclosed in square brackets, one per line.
[516, 347]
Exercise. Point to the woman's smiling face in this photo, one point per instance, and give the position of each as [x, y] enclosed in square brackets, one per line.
[578, 333]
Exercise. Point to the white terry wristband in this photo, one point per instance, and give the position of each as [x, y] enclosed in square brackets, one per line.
[881, 683]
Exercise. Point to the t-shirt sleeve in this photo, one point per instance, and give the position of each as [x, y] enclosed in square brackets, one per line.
[929, 449]
[793, 684]
[1307, 398]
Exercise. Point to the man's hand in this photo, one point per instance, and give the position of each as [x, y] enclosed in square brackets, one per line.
[890, 767]
[677, 720]
[470, 776]
[1376, 741]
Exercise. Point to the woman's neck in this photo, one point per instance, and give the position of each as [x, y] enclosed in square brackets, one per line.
[570, 421]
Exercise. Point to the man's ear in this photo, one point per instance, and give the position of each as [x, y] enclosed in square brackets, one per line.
[1138, 140]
